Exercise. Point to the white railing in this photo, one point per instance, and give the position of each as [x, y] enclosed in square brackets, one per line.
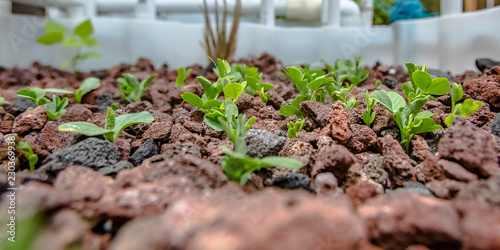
[450, 42]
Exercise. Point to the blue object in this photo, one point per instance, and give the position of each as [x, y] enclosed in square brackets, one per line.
[403, 9]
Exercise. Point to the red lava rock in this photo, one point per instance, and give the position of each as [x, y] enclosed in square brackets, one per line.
[445, 189]
[339, 123]
[137, 107]
[454, 171]
[124, 146]
[429, 170]
[62, 230]
[383, 119]
[396, 162]
[30, 120]
[335, 159]
[325, 183]
[484, 192]
[320, 111]
[363, 138]
[76, 113]
[40, 196]
[361, 192]
[486, 88]
[480, 226]
[6, 126]
[158, 131]
[108, 85]
[466, 76]
[275, 99]
[84, 185]
[277, 223]
[471, 147]
[52, 139]
[420, 148]
[298, 150]
[370, 168]
[402, 219]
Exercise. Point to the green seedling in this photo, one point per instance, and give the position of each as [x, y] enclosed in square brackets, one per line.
[464, 109]
[87, 85]
[351, 71]
[410, 119]
[114, 125]
[28, 153]
[252, 76]
[82, 37]
[369, 113]
[37, 95]
[131, 88]
[209, 102]
[236, 164]
[2, 100]
[182, 74]
[295, 128]
[56, 108]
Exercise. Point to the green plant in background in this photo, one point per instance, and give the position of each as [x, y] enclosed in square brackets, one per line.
[28, 153]
[409, 117]
[37, 95]
[295, 128]
[2, 100]
[131, 88]
[352, 71]
[208, 102]
[253, 77]
[182, 74]
[87, 85]
[82, 37]
[237, 165]
[464, 109]
[56, 108]
[113, 126]
[369, 113]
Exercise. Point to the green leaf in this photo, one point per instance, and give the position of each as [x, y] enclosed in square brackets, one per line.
[407, 88]
[211, 103]
[391, 100]
[425, 125]
[294, 74]
[223, 67]
[91, 42]
[53, 26]
[469, 107]
[211, 120]
[87, 85]
[146, 82]
[317, 83]
[71, 42]
[84, 29]
[457, 93]
[233, 90]
[50, 38]
[249, 123]
[85, 128]
[28, 94]
[230, 109]
[208, 87]
[439, 86]
[422, 79]
[417, 104]
[288, 110]
[282, 161]
[124, 121]
[110, 119]
[266, 86]
[59, 91]
[449, 120]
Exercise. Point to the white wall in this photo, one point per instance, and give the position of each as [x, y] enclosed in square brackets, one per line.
[449, 43]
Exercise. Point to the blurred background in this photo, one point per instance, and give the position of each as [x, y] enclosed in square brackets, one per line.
[446, 34]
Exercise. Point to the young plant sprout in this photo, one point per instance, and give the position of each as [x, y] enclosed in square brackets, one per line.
[37, 95]
[464, 109]
[87, 85]
[56, 108]
[2, 100]
[369, 113]
[295, 128]
[131, 88]
[82, 37]
[237, 165]
[114, 125]
[252, 77]
[28, 153]
[182, 74]
[209, 103]
[409, 117]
